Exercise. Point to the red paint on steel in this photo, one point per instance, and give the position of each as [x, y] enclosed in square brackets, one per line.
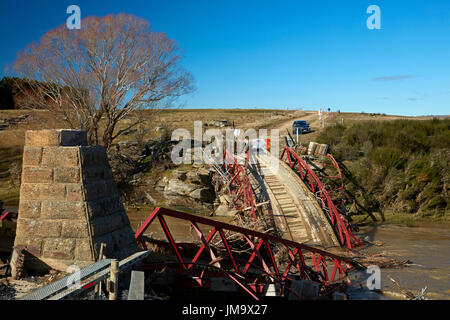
[227, 247]
[205, 243]
[87, 286]
[338, 221]
[261, 244]
[6, 216]
[240, 183]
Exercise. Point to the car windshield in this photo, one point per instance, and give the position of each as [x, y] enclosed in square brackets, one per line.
[297, 123]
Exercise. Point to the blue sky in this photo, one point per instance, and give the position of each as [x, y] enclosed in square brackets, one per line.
[282, 54]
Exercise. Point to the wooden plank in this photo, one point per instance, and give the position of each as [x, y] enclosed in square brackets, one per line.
[136, 291]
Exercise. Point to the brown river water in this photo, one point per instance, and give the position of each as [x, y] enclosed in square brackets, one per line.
[426, 246]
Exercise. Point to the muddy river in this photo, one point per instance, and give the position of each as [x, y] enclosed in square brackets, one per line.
[428, 249]
[180, 229]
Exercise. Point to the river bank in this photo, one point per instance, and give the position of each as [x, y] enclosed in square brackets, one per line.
[403, 219]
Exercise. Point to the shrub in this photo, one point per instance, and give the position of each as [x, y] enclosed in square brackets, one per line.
[402, 163]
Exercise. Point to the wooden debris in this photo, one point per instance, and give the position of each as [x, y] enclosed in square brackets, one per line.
[408, 294]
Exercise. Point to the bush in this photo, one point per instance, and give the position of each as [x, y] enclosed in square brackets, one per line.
[401, 163]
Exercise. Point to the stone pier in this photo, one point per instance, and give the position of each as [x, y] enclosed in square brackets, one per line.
[69, 203]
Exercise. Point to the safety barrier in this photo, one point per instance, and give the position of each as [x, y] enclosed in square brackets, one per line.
[337, 219]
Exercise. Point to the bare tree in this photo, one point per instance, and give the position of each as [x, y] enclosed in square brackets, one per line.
[101, 73]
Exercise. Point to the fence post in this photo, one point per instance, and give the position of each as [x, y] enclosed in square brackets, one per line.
[114, 280]
[98, 287]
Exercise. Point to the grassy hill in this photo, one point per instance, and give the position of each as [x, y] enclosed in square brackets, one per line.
[399, 166]
[157, 123]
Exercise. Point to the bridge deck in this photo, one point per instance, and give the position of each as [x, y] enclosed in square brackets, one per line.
[297, 215]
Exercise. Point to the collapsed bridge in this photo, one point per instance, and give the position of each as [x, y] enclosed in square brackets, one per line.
[286, 262]
[300, 206]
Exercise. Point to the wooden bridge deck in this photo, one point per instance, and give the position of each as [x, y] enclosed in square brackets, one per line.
[297, 215]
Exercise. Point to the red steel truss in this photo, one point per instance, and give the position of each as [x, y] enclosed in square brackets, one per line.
[337, 219]
[7, 215]
[239, 184]
[308, 262]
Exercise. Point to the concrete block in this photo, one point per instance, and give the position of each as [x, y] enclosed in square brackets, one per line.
[93, 156]
[66, 187]
[49, 229]
[63, 210]
[37, 175]
[73, 138]
[32, 191]
[74, 192]
[106, 224]
[27, 226]
[30, 209]
[96, 209]
[52, 137]
[33, 245]
[59, 248]
[74, 229]
[60, 157]
[67, 175]
[42, 138]
[83, 250]
[32, 156]
[95, 190]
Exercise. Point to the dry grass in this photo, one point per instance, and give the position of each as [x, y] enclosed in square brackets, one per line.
[12, 139]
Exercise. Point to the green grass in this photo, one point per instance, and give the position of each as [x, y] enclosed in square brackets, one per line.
[402, 165]
[405, 219]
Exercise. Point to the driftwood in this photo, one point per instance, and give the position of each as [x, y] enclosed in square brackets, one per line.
[408, 294]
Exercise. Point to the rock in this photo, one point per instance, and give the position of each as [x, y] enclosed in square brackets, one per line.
[201, 176]
[149, 198]
[176, 187]
[224, 211]
[193, 177]
[204, 195]
[204, 176]
[137, 178]
[219, 123]
[180, 175]
[161, 184]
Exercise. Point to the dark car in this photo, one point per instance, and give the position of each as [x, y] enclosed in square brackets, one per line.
[300, 126]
